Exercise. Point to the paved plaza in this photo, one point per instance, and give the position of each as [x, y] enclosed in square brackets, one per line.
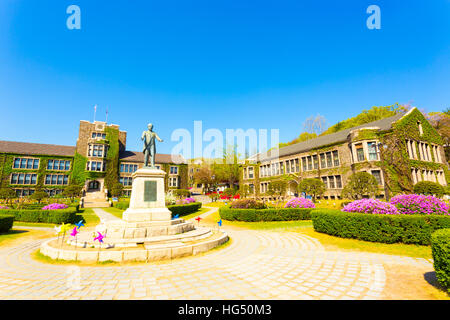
[255, 265]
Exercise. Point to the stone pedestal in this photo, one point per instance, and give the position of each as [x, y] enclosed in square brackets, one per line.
[147, 201]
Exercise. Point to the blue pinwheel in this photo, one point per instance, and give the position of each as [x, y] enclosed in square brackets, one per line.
[79, 224]
[219, 222]
[176, 216]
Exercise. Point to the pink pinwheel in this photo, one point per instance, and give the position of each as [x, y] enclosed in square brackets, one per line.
[74, 232]
[99, 237]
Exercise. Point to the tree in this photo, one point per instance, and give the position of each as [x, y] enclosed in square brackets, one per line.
[429, 188]
[304, 136]
[373, 114]
[359, 185]
[228, 170]
[7, 194]
[72, 191]
[277, 188]
[39, 195]
[244, 190]
[315, 125]
[312, 186]
[205, 176]
[181, 193]
[116, 189]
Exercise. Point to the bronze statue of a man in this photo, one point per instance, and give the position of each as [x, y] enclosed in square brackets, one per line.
[149, 149]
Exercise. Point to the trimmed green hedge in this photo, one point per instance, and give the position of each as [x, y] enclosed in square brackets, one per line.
[180, 209]
[440, 248]
[6, 222]
[184, 209]
[122, 205]
[411, 229]
[272, 214]
[46, 216]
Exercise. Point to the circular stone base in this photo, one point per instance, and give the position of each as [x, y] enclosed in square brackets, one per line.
[144, 253]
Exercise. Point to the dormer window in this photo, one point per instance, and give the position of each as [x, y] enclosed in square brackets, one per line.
[420, 127]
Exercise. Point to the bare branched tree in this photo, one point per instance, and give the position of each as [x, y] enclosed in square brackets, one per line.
[315, 124]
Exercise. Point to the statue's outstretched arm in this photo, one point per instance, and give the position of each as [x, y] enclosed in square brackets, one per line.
[157, 137]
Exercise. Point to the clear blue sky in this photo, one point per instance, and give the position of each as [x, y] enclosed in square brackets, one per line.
[232, 64]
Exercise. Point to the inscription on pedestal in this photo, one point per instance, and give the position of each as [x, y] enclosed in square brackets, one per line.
[150, 191]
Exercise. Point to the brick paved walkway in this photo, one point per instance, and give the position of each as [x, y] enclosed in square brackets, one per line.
[256, 265]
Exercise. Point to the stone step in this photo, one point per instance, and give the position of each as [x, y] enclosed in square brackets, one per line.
[97, 204]
[131, 254]
[86, 239]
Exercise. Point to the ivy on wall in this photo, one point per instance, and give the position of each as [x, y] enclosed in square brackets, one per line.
[112, 157]
[394, 162]
[6, 162]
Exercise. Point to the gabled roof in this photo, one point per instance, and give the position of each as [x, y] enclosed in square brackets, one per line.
[135, 156]
[340, 136]
[28, 148]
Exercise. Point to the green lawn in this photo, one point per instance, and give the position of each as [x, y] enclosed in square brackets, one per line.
[195, 214]
[114, 211]
[330, 242]
[88, 215]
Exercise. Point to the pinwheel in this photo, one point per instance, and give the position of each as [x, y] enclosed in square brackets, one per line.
[100, 240]
[99, 237]
[198, 219]
[57, 230]
[74, 232]
[64, 229]
[176, 216]
[79, 224]
[219, 222]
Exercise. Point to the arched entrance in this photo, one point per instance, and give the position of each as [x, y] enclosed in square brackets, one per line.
[93, 186]
[292, 189]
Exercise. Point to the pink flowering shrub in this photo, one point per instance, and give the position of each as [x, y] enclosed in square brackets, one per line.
[371, 206]
[419, 204]
[299, 203]
[55, 206]
[4, 207]
[188, 200]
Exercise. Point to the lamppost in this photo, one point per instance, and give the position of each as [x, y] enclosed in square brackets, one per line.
[385, 147]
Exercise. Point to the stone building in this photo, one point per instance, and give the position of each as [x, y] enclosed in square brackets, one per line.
[98, 160]
[398, 151]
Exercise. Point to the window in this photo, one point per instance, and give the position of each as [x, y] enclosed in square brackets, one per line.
[377, 175]
[420, 127]
[297, 165]
[250, 172]
[331, 182]
[56, 179]
[372, 148]
[63, 165]
[173, 170]
[97, 150]
[304, 164]
[360, 152]
[99, 135]
[322, 161]
[126, 181]
[25, 163]
[329, 160]
[173, 181]
[338, 182]
[23, 178]
[336, 158]
[325, 181]
[315, 162]
[96, 166]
